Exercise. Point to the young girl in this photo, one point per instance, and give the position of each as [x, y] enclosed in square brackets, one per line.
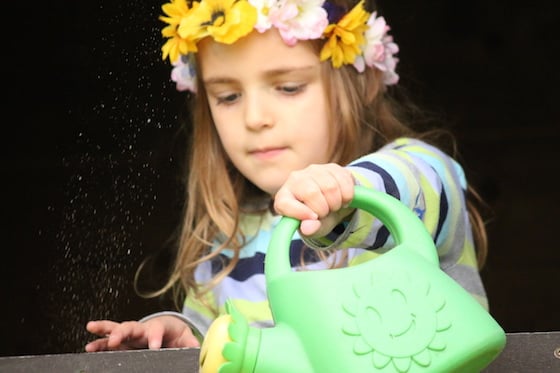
[292, 109]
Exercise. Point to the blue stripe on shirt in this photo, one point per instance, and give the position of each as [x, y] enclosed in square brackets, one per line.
[250, 266]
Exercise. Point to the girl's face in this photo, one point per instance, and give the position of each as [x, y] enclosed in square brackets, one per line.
[268, 104]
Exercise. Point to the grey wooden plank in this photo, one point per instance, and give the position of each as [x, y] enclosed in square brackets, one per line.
[537, 352]
[137, 361]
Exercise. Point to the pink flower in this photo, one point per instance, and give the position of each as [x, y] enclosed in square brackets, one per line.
[390, 61]
[379, 50]
[184, 74]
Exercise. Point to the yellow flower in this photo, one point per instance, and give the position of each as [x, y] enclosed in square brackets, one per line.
[226, 21]
[346, 37]
[176, 10]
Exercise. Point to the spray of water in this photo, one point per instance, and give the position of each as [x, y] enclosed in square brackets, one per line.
[114, 171]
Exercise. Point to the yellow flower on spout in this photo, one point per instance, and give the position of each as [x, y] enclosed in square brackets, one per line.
[346, 37]
[226, 21]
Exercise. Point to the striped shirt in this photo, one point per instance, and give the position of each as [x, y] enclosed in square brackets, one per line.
[421, 176]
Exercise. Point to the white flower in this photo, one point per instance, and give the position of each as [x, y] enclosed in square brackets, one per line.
[299, 19]
[263, 8]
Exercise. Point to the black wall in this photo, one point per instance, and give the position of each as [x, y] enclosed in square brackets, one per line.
[91, 153]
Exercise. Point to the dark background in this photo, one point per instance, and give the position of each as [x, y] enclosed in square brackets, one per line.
[91, 153]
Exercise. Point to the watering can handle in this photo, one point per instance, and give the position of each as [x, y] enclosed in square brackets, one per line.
[405, 227]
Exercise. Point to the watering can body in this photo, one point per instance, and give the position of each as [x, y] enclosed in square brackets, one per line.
[396, 313]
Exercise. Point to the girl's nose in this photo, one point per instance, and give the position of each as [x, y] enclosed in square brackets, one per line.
[258, 113]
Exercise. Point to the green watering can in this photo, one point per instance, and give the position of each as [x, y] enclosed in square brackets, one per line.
[397, 313]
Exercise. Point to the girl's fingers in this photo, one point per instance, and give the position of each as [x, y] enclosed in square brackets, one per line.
[97, 345]
[337, 185]
[315, 196]
[101, 327]
[155, 337]
[323, 195]
[190, 341]
[129, 334]
[301, 197]
[288, 204]
[309, 227]
[321, 188]
[187, 339]
[346, 182]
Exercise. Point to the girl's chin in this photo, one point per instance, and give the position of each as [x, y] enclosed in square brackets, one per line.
[266, 187]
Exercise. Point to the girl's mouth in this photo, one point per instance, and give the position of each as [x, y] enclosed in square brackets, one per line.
[267, 153]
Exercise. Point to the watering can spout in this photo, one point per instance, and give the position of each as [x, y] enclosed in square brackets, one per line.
[281, 350]
[231, 346]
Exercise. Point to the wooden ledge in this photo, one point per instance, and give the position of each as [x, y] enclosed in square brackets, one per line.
[524, 353]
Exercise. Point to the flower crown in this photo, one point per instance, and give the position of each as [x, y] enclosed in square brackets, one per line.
[356, 37]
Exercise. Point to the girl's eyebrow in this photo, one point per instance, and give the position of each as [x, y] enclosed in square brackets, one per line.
[288, 70]
[218, 80]
[273, 73]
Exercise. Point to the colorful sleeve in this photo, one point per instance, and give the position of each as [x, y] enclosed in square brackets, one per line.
[419, 175]
[196, 310]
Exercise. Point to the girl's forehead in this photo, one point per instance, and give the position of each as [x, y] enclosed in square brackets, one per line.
[255, 51]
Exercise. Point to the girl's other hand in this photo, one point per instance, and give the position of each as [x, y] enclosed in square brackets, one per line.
[159, 332]
[317, 195]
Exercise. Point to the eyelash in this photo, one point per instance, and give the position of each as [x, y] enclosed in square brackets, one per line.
[289, 90]
[292, 89]
[227, 99]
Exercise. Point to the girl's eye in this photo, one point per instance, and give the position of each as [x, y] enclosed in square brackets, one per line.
[227, 99]
[291, 89]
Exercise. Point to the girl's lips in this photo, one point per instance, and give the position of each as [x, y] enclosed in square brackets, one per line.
[267, 153]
